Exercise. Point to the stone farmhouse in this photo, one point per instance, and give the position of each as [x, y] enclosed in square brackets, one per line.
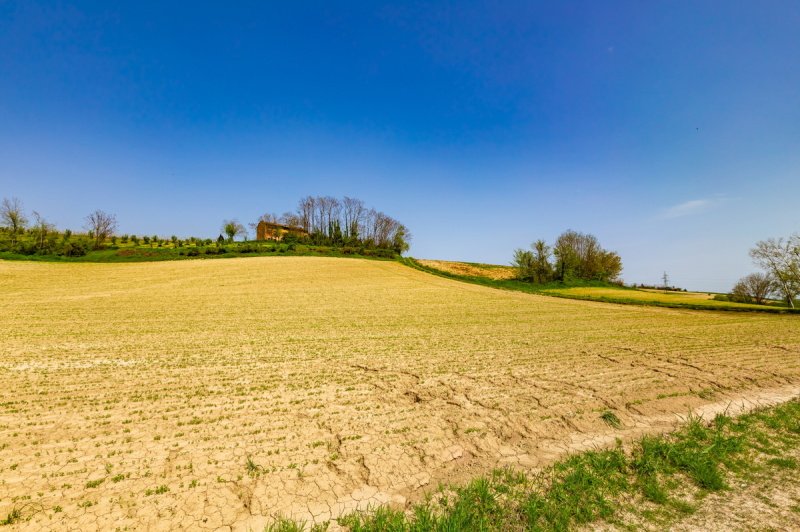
[273, 231]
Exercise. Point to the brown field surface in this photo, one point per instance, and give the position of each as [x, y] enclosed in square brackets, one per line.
[490, 271]
[212, 394]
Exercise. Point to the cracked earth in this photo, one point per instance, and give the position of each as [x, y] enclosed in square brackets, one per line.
[219, 394]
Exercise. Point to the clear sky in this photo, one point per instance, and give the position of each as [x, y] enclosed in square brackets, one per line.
[670, 130]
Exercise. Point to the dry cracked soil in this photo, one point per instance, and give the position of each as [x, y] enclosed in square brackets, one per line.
[219, 394]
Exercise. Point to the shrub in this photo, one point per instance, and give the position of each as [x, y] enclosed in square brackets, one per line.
[74, 248]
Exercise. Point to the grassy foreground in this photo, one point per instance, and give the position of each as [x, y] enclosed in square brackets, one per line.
[604, 292]
[658, 481]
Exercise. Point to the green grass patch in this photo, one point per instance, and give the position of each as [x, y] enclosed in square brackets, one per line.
[13, 516]
[611, 419]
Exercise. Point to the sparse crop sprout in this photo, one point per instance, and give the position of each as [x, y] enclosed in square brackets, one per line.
[611, 419]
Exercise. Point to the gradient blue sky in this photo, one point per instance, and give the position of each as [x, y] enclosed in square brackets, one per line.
[671, 130]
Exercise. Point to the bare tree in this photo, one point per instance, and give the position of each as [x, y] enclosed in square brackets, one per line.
[755, 287]
[101, 225]
[385, 227]
[269, 217]
[305, 212]
[367, 229]
[330, 210]
[317, 215]
[13, 217]
[781, 259]
[291, 219]
[41, 228]
[232, 228]
[353, 211]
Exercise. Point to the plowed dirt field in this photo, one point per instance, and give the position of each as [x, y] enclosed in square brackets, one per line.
[221, 393]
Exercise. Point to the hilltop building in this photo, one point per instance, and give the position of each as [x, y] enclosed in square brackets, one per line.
[273, 231]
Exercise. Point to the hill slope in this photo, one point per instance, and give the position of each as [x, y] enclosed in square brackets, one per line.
[233, 391]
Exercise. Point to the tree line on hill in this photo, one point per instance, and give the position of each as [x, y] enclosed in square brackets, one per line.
[325, 221]
[22, 235]
[19, 234]
[573, 256]
[329, 221]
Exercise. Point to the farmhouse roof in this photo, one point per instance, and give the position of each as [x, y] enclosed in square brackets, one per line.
[281, 226]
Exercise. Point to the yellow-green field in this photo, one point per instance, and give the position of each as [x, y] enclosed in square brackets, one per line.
[209, 394]
[649, 296]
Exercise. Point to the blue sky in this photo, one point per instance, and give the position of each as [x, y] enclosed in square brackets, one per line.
[671, 130]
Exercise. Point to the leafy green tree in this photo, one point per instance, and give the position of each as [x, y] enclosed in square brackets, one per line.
[400, 241]
[525, 263]
[232, 228]
[566, 251]
[580, 256]
[610, 266]
[542, 269]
